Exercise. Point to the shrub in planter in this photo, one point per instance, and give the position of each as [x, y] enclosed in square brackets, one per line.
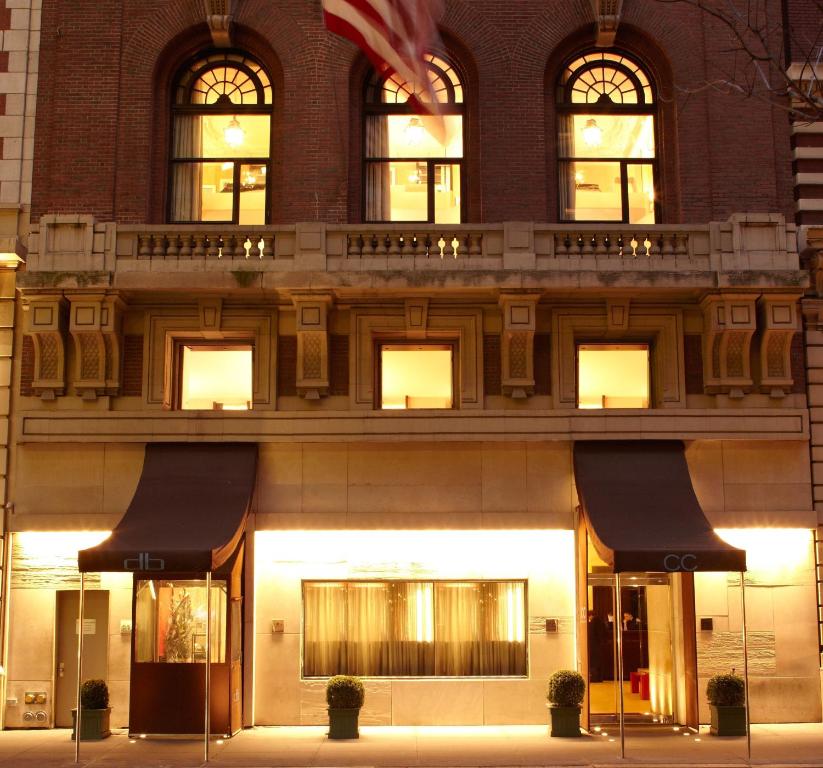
[566, 691]
[344, 695]
[96, 714]
[727, 701]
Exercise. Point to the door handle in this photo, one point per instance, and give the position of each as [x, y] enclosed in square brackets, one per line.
[61, 669]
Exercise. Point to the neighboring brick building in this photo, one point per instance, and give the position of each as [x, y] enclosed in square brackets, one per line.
[444, 339]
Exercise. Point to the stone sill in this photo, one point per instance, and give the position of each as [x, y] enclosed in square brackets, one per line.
[378, 426]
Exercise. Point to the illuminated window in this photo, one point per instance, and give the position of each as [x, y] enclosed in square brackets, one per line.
[170, 621]
[606, 141]
[221, 135]
[413, 162]
[613, 376]
[416, 376]
[215, 377]
[414, 628]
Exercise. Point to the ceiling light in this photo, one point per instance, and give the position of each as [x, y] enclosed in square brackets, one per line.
[592, 133]
[234, 134]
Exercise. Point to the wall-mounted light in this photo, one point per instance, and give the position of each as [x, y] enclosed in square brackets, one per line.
[592, 133]
[234, 134]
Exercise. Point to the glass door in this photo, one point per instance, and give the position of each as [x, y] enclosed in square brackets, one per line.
[641, 625]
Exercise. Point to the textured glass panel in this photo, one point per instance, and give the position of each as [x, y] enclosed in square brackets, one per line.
[171, 617]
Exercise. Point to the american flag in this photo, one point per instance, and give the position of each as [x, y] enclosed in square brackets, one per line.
[394, 34]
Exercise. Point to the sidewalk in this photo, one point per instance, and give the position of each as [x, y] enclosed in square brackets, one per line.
[401, 747]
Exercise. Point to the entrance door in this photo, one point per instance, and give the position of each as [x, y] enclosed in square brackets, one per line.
[658, 670]
[95, 647]
[167, 693]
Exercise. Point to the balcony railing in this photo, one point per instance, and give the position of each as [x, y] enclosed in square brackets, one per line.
[760, 242]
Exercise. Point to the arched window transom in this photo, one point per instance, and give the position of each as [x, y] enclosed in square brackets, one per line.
[413, 163]
[221, 140]
[607, 140]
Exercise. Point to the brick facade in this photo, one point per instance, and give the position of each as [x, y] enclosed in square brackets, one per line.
[107, 67]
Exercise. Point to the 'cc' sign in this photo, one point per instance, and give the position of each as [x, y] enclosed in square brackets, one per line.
[672, 563]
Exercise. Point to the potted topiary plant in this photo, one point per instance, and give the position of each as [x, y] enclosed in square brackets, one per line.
[96, 713]
[344, 695]
[727, 702]
[566, 691]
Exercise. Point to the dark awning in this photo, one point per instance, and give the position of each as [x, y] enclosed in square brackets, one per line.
[187, 514]
[641, 510]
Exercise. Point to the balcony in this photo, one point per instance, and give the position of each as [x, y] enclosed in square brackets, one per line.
[748, 249]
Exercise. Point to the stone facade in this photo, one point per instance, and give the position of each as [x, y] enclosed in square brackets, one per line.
[718, 290]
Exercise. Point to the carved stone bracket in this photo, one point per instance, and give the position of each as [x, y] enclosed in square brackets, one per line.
[778, 323]
[417, 318]
[311, 320]
[517, 347]
[94, 324]
[46, 325]
[607, 15]
[729, 323]
[219, 18]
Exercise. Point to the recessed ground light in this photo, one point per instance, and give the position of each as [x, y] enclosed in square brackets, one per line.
[220, 741]
[597, 729]
[132, 741]
[142, 735]
[676, 728]
[697, 738]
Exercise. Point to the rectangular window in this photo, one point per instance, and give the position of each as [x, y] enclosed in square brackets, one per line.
[414, 628]
[215, 377]
[413, 168]
[170, 621]
[416, 376]
[613, 376]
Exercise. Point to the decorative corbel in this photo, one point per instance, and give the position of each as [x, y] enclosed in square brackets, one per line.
[219, 18]
[729, 323]
[311, 318]
[778, 324]
[517, 344]
[417, 318]
[94, 324]
[607, 15]
[46, 325]
[210, 312]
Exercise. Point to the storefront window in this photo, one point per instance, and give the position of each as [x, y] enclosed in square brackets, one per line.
[170, 621]
[415, 628]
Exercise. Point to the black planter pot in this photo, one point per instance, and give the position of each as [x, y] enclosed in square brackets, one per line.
[343, 723]
[728, 721]
[565, 721]
[94, 724]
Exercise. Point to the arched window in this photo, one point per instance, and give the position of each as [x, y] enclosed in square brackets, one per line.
[413, 163]
[607, 140]
[221, 140]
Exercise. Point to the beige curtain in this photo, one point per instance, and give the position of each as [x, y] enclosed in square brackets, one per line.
[324, 629]
[415, 629]
[378, 175]
[566, 177]
[187, 182]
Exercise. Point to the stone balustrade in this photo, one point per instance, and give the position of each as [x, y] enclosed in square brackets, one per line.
[746, 242]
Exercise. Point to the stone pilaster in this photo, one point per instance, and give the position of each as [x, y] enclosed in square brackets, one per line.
[517, 344]
[311, 321]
